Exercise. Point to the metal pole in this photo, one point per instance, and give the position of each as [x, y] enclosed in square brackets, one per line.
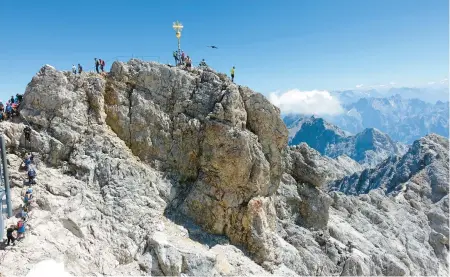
[6, 176]
[2, 223]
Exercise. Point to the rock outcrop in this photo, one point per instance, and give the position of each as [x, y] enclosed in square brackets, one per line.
[156, 170]
[220, 143]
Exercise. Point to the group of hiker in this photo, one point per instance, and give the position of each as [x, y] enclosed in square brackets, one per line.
[12, 107]
[28, 165]
[181, 59]
[99, 63]
[74, 69]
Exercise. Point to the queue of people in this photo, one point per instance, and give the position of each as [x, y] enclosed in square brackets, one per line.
[27, 197]
[98, 63]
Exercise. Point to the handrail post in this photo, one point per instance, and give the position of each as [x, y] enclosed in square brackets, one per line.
[2, 221]
[6, 176]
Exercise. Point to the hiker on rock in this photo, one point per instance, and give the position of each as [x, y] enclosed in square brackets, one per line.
[31, 176]
[175, 56]
[24, 213]
[27, 131]
[29, 193]
[20, 97]
[9, 110]
[188, 63]
[232, 74]
[14, 107]
[9, 234]
[97, 63]
[26, 200]
[102, 65]
[12, 100]
[203, 63]
[182, 56]
[27, 162]
[21, 228]
[74, 69]
[80, 69]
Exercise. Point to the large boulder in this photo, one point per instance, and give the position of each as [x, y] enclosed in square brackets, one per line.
[222, 142]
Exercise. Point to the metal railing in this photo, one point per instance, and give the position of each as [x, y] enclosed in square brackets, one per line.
[143, 58]
[2, 219]
[108, 63]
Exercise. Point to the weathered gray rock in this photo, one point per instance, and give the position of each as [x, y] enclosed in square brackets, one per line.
[306, 165]
[192, 125]
[122, 154]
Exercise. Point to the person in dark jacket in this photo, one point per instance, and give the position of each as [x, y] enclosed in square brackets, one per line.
[97, 63]
[27, 131]
[9, 234]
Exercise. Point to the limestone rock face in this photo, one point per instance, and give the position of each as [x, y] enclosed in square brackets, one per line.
[153, 170]
[306, 165]
[222, 142]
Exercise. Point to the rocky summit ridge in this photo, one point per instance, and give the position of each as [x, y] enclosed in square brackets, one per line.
[157, 170]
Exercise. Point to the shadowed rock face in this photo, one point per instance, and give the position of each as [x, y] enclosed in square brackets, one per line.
[131, 164]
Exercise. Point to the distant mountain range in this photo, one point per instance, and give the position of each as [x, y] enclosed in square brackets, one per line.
[404, 120]
[369, 148]
[426, 162]
[430, 94]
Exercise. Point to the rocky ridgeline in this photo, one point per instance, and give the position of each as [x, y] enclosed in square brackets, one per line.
[156, 170]
[369, 147]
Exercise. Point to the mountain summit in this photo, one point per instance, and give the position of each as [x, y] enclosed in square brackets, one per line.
[154, 170]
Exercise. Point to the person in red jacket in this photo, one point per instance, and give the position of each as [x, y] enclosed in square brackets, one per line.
[102, 65]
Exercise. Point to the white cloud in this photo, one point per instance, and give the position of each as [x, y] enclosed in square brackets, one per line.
[382, 86]
[444, 81]
[392, 83]
[359, 86]
[431, 83]
[317, 102]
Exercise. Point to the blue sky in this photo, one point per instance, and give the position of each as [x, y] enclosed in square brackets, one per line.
[275, 45]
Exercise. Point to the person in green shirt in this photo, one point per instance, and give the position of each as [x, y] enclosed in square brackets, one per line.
[232, 74]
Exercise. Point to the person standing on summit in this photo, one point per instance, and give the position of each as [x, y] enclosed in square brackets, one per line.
[232, 74]
[74, 69]
[97, 63]
[175, 56]
[80, 69]
[182, 56]
[102, 65]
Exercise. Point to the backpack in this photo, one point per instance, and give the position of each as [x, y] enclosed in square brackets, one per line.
[20, 224]
[102, 62]
[31, 173]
